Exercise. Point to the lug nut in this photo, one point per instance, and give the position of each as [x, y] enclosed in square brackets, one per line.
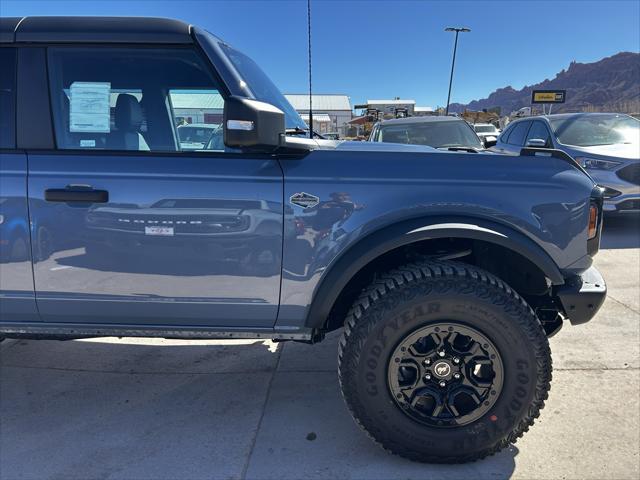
[456, 360]
[427, 377]
[427, 361]
[443, 384]
[456, 376]
[441, 353]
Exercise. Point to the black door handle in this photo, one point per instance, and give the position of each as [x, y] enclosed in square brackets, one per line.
[76, 194]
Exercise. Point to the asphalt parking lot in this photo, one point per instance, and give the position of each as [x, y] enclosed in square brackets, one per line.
[159, 409]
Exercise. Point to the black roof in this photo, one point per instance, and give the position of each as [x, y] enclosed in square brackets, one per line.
[94, 29]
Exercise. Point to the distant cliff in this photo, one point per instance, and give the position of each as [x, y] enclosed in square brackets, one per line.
[610, 84]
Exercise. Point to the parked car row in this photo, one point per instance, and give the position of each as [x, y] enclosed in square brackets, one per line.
[607, 145]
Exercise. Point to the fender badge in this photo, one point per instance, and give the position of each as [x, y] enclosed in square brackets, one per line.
[304, 200]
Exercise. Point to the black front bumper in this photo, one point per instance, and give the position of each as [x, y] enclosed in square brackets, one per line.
[582, 296]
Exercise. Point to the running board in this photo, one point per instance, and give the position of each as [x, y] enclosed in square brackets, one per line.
[73, 331]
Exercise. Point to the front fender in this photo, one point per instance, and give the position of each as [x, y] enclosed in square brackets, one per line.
[531, 204]
[387, 239]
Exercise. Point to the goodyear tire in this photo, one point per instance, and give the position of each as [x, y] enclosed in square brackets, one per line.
[442, 362]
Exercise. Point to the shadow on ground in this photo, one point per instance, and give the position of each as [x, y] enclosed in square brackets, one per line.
[169, 409]
[621, 232]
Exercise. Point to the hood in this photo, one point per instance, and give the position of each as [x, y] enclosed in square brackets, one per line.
[392, 148]
[351, 146]
[627, 151]
[381, 147]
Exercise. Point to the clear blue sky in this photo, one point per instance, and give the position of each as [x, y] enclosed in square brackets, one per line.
[384, 48]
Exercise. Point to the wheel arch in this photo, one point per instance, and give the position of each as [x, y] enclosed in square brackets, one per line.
[387, 239]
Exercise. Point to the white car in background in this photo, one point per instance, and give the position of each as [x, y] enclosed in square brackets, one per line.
[196, 136]
[487, 132]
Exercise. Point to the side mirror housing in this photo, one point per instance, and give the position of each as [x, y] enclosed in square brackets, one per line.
[252, 124]
[536, 143]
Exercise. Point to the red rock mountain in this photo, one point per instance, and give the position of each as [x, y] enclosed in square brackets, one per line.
[610, 84]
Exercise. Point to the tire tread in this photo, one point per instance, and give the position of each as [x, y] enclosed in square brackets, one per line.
[375, 300]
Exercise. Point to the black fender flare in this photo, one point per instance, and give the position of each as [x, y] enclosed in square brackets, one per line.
[404, 233]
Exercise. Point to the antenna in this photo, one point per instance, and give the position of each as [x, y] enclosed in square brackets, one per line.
[310, 94]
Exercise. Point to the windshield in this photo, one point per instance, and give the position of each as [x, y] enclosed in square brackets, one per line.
[591, 130]
[484, 128]
[262, 87]
[433, 134]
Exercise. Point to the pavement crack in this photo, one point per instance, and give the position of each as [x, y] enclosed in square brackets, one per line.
[619, 302]
[245, 469]
[586, 369]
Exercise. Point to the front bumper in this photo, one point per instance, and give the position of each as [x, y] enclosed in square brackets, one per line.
[582, 296]
[623, 204]
[627, 198]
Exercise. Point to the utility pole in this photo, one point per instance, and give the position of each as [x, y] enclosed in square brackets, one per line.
[453, 61]
[310, 91]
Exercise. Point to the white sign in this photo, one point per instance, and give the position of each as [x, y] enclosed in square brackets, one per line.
[89, 107]
[165, 231]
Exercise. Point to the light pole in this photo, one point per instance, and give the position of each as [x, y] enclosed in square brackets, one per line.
[453, 62]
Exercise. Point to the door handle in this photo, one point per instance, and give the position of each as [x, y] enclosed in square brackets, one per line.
[77, 194]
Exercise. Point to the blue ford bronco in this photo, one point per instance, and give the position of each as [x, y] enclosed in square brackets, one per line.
[446, 270]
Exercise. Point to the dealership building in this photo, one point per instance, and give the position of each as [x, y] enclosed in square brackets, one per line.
[331, 112]
[396, 107]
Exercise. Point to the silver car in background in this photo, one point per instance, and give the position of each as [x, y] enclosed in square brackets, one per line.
[607, 145]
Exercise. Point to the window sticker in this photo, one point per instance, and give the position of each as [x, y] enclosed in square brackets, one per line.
[89, 107]
[87, 143]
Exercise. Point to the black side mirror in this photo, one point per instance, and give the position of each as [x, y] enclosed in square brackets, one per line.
[252, 124]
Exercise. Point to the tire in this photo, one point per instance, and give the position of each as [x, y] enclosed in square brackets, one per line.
[494, 327]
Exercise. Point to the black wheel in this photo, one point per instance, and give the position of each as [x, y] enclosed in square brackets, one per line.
[443, 362]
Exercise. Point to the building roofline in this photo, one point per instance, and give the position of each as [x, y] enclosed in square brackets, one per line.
[320, 94]
[390, 101]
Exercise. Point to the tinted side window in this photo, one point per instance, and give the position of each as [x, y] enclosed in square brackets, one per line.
[540, 130]
[141, 99]
[516, 137]
[504, 136]
[7, 97]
